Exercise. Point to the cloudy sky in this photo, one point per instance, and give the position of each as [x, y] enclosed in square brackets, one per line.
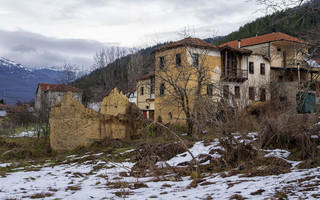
[42, 33]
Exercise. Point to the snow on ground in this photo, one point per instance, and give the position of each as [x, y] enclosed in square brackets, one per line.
[25, 134]
[101, 179]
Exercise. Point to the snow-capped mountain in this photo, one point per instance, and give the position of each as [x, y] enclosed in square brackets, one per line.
[19, 83]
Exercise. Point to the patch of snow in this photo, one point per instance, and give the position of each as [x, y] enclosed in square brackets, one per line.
[25, 134]
[197, 149]
[5, 164]
[314, 136]
[253, 135]
[279, 153]
[96, 183]
[128, 151]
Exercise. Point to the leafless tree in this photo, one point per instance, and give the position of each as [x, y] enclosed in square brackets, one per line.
[69, 73]
[184, 79]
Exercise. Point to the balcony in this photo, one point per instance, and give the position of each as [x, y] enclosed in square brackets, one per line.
[235, 75]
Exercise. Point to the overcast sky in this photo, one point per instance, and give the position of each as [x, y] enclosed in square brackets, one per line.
[42, 33]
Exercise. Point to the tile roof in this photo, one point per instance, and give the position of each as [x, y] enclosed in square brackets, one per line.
[278, 36]
[189, 41]
[239, 50]
[60, 87]
[147, 76]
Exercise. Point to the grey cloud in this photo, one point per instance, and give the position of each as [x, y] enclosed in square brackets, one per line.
[36, 50]
[22, 48]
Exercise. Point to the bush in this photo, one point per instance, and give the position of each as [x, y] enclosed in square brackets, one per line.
[295, 132]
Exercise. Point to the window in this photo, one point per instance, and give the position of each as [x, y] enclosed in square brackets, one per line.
[278, 49]
[195, 60]
[251, 68]
[210, 89]
[251, 93]
[178, 59]
[161, 62]
[226, 91]
[141, 90]
[170, 115]
[162, 88]
[237, 92]
[280, 79]
[262, 94]
[262, 69]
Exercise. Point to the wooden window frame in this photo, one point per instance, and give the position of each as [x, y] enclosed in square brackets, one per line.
[251, 68]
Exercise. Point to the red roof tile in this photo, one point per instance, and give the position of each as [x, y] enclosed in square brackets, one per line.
[240, 50]
[60, 87]
[278, 36]
[147, 76]
[189, 41]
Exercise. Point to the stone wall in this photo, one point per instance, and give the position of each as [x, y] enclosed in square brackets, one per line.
[72, 125]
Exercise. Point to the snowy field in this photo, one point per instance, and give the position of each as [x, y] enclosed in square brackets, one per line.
[98, 178]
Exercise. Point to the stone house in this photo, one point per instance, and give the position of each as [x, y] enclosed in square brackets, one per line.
[245, 76]
[145, 95]
[177, 63]
[48, 95]
[289, 72]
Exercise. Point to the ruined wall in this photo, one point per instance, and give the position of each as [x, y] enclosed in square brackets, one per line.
[72, 125]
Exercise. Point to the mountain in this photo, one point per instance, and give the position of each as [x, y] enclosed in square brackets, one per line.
[19, 83]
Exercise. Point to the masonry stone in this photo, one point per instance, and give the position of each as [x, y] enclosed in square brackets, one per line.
[73, 125]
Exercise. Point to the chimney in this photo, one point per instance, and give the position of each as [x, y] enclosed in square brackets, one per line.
[239, 43]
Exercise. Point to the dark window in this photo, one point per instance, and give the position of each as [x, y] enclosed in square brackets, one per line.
[210, 89]
[278, 49]
[141, 90]
[237, 92]
[226, 91]
[251, 68]
[170, 115]
[284, 61]
[195, 60]
[178, 59]
[161, 62]
[280, 78]
[262, 69]
[162, 88]
[262, 94]
[251, 93]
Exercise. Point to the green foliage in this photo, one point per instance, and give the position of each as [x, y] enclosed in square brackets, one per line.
[294, 22]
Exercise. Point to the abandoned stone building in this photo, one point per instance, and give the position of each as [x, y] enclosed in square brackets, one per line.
[48, 94]
[72, 125]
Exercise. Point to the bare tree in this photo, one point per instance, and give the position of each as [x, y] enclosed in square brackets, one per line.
[181, 76]
[69, 73]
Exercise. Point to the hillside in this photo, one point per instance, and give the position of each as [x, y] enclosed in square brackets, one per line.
[19, 83]
[298, 22]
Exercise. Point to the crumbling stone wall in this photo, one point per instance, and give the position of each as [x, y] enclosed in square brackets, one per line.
[72, 125]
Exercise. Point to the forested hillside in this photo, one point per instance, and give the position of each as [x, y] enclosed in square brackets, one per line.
[298, 22]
